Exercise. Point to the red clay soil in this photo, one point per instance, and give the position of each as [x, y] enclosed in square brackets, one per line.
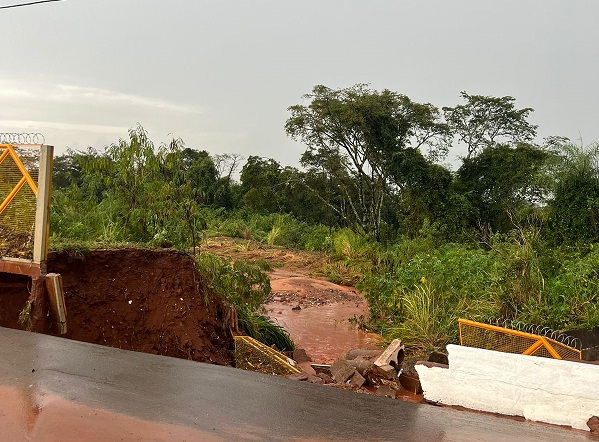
[152, 301]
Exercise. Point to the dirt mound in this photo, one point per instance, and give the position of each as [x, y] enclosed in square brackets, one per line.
[151, 301]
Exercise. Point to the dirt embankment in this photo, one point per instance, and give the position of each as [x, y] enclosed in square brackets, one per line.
[152, 301]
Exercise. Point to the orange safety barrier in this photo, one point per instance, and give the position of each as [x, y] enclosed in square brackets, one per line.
[492, 337]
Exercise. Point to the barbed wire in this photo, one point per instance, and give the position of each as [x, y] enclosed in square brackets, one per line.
[18, 5]
[21, 138]
[539, 330]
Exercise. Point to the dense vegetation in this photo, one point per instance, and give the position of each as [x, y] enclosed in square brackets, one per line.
[511, 232]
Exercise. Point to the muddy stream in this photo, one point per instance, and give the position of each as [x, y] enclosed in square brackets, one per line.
[316, 314]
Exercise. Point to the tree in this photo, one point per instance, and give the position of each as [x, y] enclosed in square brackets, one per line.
[261, 185]
[574, 208]
[200, 171]
[354, 136]
[501, 181]
[484, 121]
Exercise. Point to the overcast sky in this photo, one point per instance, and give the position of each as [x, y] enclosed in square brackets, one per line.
[221, 74]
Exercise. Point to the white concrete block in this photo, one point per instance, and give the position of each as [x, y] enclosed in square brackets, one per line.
[540, 389]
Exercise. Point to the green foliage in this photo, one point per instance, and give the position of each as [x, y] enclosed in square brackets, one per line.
[132, 193]
[570, 299]
[501, 182]
[260, 328]
[484, 121]
[246, 287]
[454, 272]
[355, 137]
[429, 318]
[574, 209]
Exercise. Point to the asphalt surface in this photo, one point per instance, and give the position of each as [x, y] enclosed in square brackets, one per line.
[228, 404]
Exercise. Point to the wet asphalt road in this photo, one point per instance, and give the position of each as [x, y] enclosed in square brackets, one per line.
[234, 404]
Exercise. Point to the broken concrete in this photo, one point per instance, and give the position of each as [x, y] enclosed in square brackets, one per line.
[593, 424]
[393, 355]
[385, 371]
[300, 356]
[364, 354]
[342, 371]
[360, 364]
[322, 369]
[357, 380]
[541, 389]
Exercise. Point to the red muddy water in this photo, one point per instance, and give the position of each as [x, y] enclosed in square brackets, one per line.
[321, 324]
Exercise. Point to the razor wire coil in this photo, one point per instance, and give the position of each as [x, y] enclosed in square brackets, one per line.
[539, 330]
[21, 138]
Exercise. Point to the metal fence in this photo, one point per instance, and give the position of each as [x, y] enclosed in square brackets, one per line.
[492, 337]
[19, 173]
[254, 356]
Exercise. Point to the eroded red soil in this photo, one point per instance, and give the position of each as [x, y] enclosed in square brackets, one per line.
[151, 301]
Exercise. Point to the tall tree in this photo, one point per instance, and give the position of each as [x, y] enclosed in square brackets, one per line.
[261, 185]
[354, 135]
[574, 208]
[485, 121]
[501, 181]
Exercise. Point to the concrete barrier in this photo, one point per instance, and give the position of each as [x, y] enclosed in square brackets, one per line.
[539, 389]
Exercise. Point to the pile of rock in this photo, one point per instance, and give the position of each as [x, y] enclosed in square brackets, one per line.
[383, 372]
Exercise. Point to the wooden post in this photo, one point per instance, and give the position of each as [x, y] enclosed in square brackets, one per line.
[42, 227]
[39, 305]
[58, 307]
[39, 296]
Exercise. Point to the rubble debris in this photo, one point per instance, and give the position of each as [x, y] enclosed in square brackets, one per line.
[342, 371]
[364, 354]
[593, 424]
[393, 355]
[361, 365]
[357, 380]
[439, 357]
[322, 369]
[409, 378]
[385, 371]
[363, 370]
[325, 378]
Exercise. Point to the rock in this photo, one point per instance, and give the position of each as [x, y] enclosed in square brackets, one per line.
[360, 364]
[298, 377]
[410, 383]
[407, 366]
[322, 369]
[393, 355]
[300, 356]
[385, 371]
[325, 378]
[297, 307]
[357, 380]
[342, 371]
[593, 424]
[315, 379]
[364, 354]
[439, 357]
[385, 390]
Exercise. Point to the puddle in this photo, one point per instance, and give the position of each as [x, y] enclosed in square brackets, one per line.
[28, 415]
